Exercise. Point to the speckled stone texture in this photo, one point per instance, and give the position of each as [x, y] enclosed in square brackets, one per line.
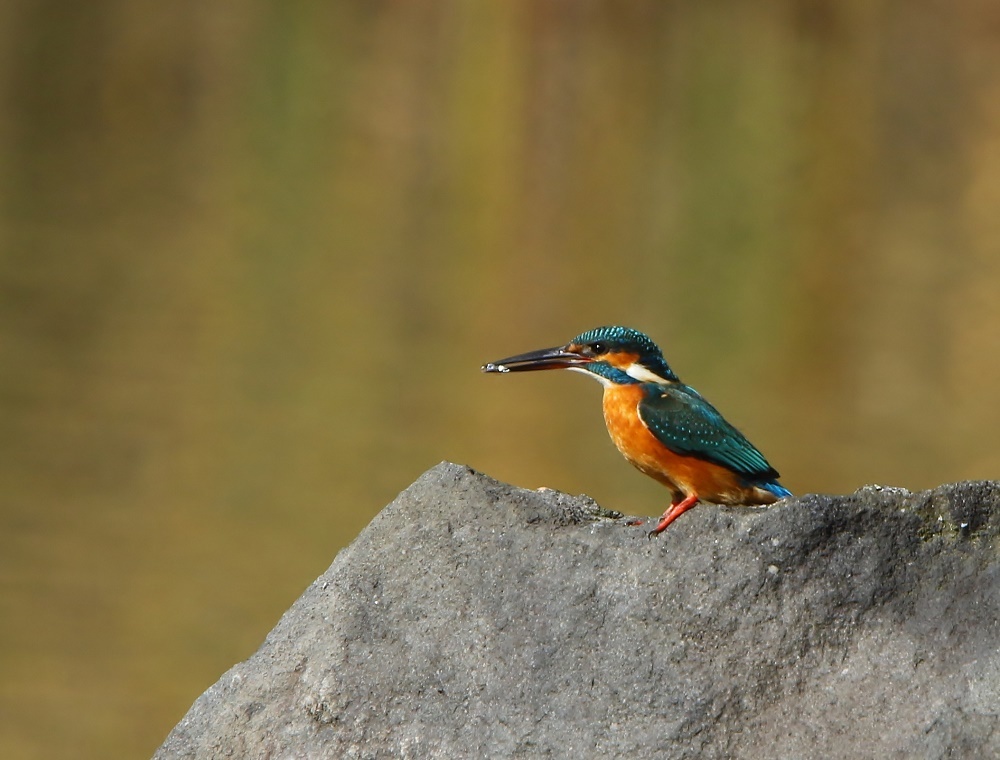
[475, 619]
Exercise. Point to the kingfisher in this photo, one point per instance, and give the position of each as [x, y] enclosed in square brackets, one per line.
[664, 428]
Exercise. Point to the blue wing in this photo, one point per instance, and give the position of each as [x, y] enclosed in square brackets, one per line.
[687, 424]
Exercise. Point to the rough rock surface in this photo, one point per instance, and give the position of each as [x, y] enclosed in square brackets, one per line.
[475, 619]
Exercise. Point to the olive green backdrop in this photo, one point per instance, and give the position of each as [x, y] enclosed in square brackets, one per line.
[252, 255]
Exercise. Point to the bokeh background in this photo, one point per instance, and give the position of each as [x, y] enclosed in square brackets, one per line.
[253, 253]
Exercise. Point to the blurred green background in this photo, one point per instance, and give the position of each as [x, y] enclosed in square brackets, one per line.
[252, 255]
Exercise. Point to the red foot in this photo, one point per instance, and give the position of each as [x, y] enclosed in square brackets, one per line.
[675, 511]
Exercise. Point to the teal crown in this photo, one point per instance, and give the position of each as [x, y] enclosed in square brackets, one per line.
[614, 338]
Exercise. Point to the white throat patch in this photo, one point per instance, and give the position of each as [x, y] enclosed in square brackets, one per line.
[643, 375]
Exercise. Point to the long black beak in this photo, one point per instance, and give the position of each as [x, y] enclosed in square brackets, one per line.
[546, 358]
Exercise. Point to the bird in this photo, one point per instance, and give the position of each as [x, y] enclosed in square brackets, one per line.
[664, 428]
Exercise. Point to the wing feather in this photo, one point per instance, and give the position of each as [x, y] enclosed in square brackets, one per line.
[687, 424]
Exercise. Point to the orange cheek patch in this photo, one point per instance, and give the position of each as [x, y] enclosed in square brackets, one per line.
[621, 359]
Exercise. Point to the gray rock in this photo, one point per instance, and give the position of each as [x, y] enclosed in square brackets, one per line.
[475, 619]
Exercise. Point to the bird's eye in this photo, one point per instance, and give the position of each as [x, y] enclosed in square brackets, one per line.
[597, 348]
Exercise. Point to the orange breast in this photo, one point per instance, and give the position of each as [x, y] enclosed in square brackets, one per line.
[683, 475]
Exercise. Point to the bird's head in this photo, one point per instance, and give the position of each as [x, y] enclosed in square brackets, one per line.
[614, 355]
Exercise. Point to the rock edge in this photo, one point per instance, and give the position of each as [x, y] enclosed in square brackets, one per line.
[473, 619]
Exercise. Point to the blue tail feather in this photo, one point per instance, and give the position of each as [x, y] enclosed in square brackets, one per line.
[776, 488]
